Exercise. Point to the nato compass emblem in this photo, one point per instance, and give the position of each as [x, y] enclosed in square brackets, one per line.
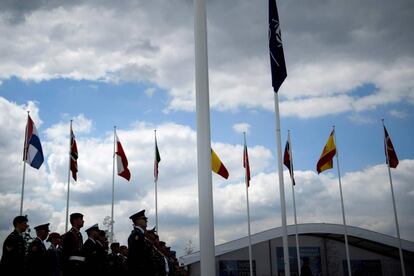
[275, 38]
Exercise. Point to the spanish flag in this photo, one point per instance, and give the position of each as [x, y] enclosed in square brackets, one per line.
[217, 166]
[325, 161]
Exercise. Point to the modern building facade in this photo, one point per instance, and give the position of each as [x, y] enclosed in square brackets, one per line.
[321, 246]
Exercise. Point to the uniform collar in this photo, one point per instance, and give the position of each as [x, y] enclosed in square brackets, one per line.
[139, 228]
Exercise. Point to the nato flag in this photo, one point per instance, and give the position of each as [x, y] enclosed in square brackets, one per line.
[277, 58]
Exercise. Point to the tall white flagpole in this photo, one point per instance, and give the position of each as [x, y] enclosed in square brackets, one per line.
[294, 203]
[67, 194]
[348, 260]
[395, 207]
[248, 214]
[205, 190]
[281, 188]
[25, 149]
[113, 189]
[156, 183]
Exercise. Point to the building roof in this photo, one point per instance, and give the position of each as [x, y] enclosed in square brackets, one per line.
[358, 237]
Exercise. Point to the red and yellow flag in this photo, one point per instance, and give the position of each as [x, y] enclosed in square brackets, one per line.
[325, 161]
[217, 166]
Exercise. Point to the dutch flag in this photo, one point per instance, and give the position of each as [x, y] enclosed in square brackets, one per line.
[33, 153]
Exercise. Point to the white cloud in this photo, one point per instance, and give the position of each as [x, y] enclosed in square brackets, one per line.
[142, 42]
[399, 113]
[241, 127]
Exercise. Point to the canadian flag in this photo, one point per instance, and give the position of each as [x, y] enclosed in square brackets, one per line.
[121, 160]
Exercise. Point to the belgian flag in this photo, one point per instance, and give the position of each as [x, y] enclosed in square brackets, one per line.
[217, 166]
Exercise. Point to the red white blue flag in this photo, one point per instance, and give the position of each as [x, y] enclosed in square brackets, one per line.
[32, 153]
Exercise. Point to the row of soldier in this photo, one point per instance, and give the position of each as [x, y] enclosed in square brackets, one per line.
[69, 255]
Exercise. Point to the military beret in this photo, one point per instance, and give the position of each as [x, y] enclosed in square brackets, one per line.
[42, 227]
[53, 235]
[93, 227]
[20, 219]
[75, 216]
[140, 214]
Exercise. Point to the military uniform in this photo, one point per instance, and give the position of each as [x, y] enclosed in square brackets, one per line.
[13, 259]
[139, 250]
[73, 259]
[37, 259]
[92, 261]
[160, 262]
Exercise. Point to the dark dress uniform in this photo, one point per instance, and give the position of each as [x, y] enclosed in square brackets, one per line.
[13, 259]
[93, 258]
[115, 264]
[37, 259]
[159, 261]
[73, 259]
[139, 254]
[54, 256]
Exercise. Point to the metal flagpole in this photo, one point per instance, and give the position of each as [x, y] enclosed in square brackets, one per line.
[67, 195]
[342, 205]
[395, 207]
[156, 183]
[25, 149]
[294, 203]
[248, 216]
[113, 189]
[205, 190]
[281, 188]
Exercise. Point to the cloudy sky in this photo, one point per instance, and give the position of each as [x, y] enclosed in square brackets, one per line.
[131, 64]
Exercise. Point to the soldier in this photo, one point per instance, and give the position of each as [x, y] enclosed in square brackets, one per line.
[91, 250]
[139, 249]
[158, 259]
[123, 250]
[73, 260]
[115, 260]
[54, 254]
[14, 249]
[37, 260]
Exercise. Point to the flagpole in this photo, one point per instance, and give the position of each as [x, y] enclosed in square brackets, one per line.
[24, 163]
[205, 190]
[113, 189]
[294, 203]
[67, 194]
[395, 207]
[281, 188]
[248, 215]
[342, 205]
[156, 184]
